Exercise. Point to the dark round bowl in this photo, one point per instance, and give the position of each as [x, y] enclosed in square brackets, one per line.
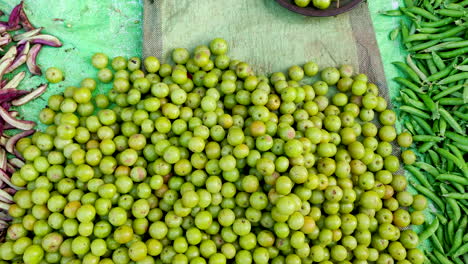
[335, 8]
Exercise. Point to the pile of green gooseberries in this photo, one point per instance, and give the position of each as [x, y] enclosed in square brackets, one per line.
[206, 162]
[320, 4]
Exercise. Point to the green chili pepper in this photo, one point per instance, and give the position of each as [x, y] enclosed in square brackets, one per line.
[432, 68]
[461, 115]
[415, 68]
[426, 146]
[404, 33]
[427, 138]
[438, 23]
[394, 33]
[456, 212]
[407, 84]
[434, 157]
[424, 13]
[452, 178]
[455, 151]
[394, 12]
[462, 196]
[463, 223]
[463, 147]
[409, 14]
[451, 32]
[451, 121]
[449, 39]
[450, 231]
[447, 91]
[453, 53]
[459, 187]
[458, 239]
[425, 126]
[450, 157]
[451, 12]
[410, 93]
[454, 6]
[407, 70]
[451, 101]
[422, 56]
[410, 127]
[436, 243]
[438, 61]
[450, 165]
[427, 5]
[437, 3]
[458, 261]
[417, 37]
[419, 176]
[417, 128]
[454, 78]
[408, 3]
[432, 258]
[465, 94]
[412, 102]
[464, 3]
[442, 127]
[427, 167]
[461, 251]
[465, 209]
[457, 137]
[461, 67]
[441, 218]
[440, 235]
[432, 30]
[421, 67]
[430, 105]
[441, 74]
[448, 33]
[424, 45]
[429, 230]
[447, 45]
[413, 111]
[427, 159]
[442, 259]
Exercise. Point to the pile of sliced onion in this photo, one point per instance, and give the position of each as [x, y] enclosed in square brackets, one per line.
[20, 43]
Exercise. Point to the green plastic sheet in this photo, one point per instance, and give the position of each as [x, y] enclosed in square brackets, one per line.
[85, 27]
[390, 50]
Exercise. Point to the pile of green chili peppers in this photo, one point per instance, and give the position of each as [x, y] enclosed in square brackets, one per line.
[433, 103]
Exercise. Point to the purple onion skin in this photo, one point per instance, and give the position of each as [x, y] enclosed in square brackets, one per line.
[10, 190]
[30, 96]
[20, 48]
[47, 40]
[24, 21]
[6, 106]
[31, 60]
[5, 39]
[6, 96]
[27, 34]
[14, 19]
[2, 126]
[23, 48]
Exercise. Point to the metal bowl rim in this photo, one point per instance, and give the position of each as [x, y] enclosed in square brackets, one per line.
[309, 11]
